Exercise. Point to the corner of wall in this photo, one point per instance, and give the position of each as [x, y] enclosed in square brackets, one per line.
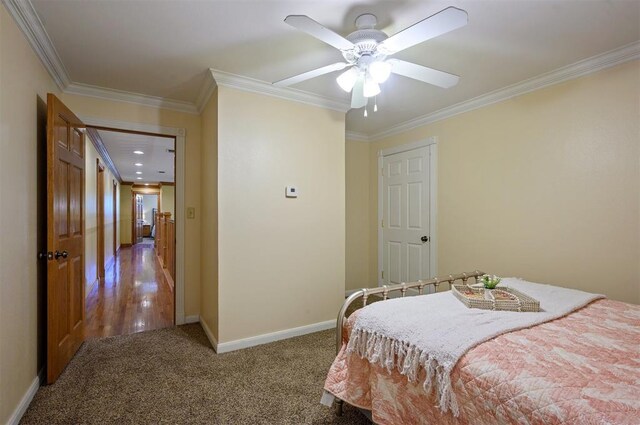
[209, 236]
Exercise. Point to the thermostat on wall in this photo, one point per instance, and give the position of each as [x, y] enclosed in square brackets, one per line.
[291, 192]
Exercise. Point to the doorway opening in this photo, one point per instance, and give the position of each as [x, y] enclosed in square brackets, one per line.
[137, 289]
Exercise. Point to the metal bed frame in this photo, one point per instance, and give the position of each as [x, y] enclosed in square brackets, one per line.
[385, 290]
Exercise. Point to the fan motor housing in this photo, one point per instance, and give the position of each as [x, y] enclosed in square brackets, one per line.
[366, 42]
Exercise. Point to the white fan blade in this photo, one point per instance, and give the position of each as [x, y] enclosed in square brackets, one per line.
[422, 73]
[357, 95]
[311, 27]
[311, 74]
[442, 22]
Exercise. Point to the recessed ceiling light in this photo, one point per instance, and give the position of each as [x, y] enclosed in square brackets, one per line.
[138, 152]
[138, 164]
[138, 172]
[139, 178]
[146, 184]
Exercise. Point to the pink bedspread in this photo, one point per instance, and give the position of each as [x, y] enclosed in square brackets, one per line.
[580, 369]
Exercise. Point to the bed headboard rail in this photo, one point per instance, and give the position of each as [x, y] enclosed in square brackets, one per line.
[402, 288]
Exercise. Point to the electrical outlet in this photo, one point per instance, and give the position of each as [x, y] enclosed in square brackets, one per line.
[191, 212]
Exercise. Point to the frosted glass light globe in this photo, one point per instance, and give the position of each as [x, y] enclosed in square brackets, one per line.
[380, 71]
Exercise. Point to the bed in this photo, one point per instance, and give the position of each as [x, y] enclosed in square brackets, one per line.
[580, 368]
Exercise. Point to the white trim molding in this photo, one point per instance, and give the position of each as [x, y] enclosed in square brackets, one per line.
[212, 339]
[252, 85]
[180, 135]
[355, 136]
[578, 69]
[26, 399]
[239, 344]
[129, 97]
[432, 144]
[192, 319]
[29, 22]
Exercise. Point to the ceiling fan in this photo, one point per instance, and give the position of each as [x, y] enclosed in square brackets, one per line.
[366, 52]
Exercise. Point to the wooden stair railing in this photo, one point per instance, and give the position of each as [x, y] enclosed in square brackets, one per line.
[165, 244]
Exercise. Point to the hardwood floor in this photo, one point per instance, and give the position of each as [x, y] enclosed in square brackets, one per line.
[135, 296]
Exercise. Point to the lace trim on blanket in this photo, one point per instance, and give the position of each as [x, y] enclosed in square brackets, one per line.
[407, 360]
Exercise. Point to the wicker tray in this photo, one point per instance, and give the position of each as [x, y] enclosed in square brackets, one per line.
[501, 298]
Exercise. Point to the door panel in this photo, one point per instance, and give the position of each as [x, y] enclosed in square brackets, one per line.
[405, 216]
[65, 236]
[395, 262]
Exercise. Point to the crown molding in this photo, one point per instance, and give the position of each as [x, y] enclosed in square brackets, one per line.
[356, 136]
[97, 142]
[261, 87]
[578, 69]
[29, 22]
[128, 97]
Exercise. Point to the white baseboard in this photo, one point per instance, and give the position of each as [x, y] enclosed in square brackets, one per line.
[239, 344]
[212, 339]
[192, 319]
[22, 407]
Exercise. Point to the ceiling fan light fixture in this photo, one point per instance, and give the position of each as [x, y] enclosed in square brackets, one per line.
[347, 79]
[380, 71]
[371, 88]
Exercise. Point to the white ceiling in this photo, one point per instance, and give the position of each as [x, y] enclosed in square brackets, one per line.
[163, 48]
[156, 158]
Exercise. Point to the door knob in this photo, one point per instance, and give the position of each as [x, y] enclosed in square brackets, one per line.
[63, 254]
[44, 255]
[425, 239]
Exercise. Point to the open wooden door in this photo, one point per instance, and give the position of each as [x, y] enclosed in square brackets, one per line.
[65, 236]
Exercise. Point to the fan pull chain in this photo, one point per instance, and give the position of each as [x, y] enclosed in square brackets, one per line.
[365, 112]
[375, 104]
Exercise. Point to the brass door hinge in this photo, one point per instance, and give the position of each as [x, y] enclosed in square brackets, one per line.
[382, 224]
[383, 274]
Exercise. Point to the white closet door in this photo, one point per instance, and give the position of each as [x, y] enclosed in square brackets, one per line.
[405, 221]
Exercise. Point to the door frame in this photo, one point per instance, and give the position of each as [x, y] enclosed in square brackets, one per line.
[180, 217]
[100, 219]
[432, 144]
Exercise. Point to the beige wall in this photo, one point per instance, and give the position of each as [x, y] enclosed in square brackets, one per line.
[22, 80]
[281, 261]
[209, 285]
[128, 112]
[168, 199]
[545, 186]
[357, 216]
[91, 216]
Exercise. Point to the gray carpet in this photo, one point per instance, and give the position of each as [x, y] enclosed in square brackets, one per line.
[173, 376]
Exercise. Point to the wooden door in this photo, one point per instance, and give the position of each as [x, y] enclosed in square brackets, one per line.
[100, 221]
[114, 210]
[405, 226]
[139, 219]
[65, 236]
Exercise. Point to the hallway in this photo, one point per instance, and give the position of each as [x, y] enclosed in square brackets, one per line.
[135, 296]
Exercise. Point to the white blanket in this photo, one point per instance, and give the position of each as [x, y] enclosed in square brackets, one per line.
[434, 331]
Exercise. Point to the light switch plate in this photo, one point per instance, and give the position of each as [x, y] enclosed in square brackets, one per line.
[191, 212]
[291, 192]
